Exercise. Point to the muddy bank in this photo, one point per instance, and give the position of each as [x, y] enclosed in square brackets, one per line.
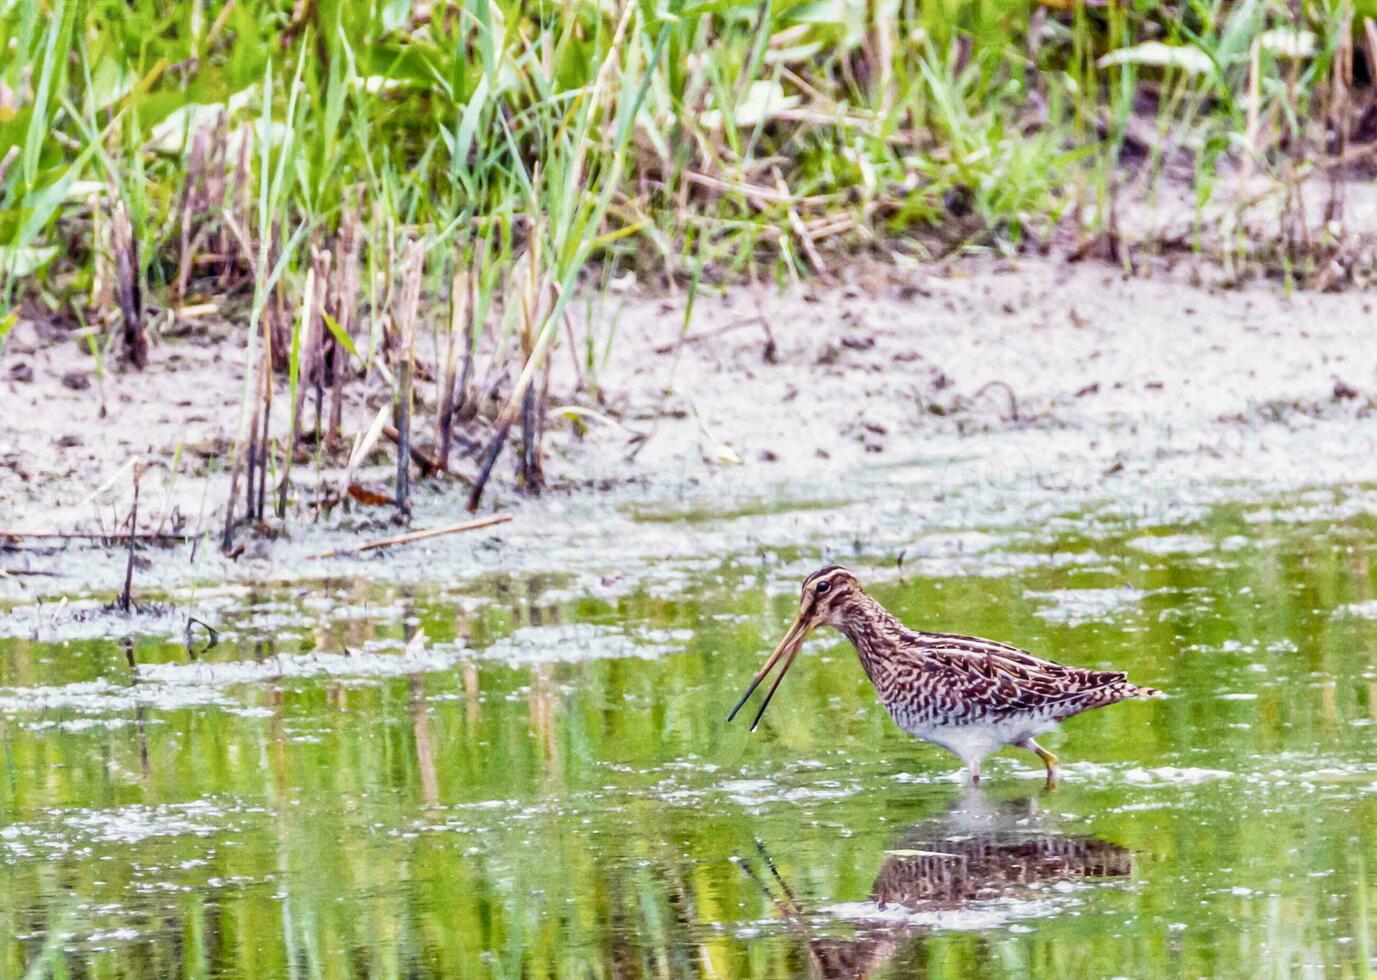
[993, 393]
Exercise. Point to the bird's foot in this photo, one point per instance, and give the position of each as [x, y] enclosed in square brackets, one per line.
[1048, 759]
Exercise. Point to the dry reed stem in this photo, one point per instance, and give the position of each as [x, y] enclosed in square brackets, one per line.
[277, 312]
[258, 444]
[321, 262]
[264, 443]
[344, 298]
[883, 32]
[458, 315]
[251, 454]
[529, 465]
[227, 535]
[427, 463]
[305, 338]
[364, 442]
[240, 203]
[800, 230]
[102, 265]
[128, 287]
[1340, 116]
[471, 330]
[516, 400]
[190, 205]
[126, 598]
[408, 303]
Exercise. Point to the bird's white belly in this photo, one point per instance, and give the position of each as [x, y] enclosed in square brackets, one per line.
[979, 739]
[967, 742]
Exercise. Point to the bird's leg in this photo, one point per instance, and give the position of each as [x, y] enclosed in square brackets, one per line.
[1048, 759]
[973, 767]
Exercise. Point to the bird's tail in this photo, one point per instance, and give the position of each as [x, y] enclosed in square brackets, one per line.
[1145, 693]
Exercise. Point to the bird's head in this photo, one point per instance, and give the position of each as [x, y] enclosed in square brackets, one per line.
[827, 596]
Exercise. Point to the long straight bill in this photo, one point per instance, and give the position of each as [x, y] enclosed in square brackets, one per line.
[787, 650]
[788, 662]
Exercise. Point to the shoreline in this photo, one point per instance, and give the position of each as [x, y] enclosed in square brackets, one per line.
[1010, 378]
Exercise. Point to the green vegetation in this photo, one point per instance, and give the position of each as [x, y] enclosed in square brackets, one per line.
[326, 175]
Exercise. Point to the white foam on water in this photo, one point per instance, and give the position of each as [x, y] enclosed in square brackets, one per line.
[104, 697]
[1172, 775]
[1072, 607]
[137, 822]
[574, 642]
[73, 725]
[78, 831]
[174, 686]
[111, 936]
[1139, 807]
[967, 918]
[1358, 610]
[363, 664]
[88, 619]
[1173, 544]
[759, 792]
[1098, 773]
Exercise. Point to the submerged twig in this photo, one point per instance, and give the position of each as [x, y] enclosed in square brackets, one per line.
[97, 535]
[1013, 400]
[416, 536]
[210, 644]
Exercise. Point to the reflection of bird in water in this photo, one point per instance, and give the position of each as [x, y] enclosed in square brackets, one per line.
[968, 695]
[976, 853]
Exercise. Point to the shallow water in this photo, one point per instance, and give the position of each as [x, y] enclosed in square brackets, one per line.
[533, 775]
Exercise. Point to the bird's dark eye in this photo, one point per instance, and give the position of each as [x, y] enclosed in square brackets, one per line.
[823, 587]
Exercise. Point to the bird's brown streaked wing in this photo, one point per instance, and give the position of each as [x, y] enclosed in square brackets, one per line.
[1007, 679]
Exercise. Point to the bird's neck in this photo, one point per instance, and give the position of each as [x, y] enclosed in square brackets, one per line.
[873, 631]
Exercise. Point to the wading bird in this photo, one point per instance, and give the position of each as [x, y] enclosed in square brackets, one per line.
[967, 695]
